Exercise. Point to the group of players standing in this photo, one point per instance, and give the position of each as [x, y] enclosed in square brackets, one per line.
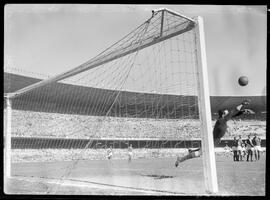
[110, 153]
[248, 148]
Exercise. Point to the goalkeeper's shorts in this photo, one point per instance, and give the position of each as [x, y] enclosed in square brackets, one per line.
[195, 154]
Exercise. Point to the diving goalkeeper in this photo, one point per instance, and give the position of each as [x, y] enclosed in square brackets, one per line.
[219, 130]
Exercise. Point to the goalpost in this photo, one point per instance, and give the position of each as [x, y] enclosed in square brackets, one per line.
[7, 140]
[205, 110]
[155, 74]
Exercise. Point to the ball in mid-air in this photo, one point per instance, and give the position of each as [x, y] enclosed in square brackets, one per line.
[243, 80]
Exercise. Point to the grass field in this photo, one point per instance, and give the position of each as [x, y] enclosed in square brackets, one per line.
[140, 177]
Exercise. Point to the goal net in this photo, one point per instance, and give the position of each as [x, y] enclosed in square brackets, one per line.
[144, 90]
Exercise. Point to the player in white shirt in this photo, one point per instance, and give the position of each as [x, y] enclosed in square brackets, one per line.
[227, 150]
[257, 146]
[130, 152]
[244, 150]
[109, 153]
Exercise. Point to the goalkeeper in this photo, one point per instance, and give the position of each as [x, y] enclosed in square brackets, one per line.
[219, 130]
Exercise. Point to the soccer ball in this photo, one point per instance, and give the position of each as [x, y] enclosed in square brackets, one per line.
[243, 81]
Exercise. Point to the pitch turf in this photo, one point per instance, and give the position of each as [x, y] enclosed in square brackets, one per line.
[140, 177]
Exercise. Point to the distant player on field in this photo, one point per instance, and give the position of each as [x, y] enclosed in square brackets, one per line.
[130, 149]
[244, 150]
[257, 146]
[109, 153]
[235, 150]
[250, 148]
[239, 148]
[227, 150]
[219, 130]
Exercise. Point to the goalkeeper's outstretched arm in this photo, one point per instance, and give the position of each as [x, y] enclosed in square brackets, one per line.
[237, 111]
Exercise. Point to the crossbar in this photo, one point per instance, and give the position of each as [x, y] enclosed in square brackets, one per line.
[174, 13]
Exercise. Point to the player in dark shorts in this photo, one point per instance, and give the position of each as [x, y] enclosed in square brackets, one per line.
[219, 130]
[239, 148]
[250, 148]
[235, 150]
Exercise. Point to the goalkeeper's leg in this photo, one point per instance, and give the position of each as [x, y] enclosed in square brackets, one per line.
[191, 154]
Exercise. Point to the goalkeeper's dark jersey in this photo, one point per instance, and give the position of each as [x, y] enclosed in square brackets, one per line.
[221, 126]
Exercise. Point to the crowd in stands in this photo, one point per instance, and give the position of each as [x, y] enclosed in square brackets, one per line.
[52, 125]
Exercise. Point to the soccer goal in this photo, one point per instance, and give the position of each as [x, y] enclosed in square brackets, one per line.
[151, 85]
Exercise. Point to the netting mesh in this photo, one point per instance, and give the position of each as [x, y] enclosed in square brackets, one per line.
[154, 82]
[145, 35]
[144, 86]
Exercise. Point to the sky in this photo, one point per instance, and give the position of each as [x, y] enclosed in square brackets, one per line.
[51, 39]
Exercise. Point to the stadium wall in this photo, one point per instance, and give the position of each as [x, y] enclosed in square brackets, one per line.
[60, 143]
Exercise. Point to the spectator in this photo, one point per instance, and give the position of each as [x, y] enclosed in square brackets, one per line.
[257, 146]
[250, 148]
[234, 148]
